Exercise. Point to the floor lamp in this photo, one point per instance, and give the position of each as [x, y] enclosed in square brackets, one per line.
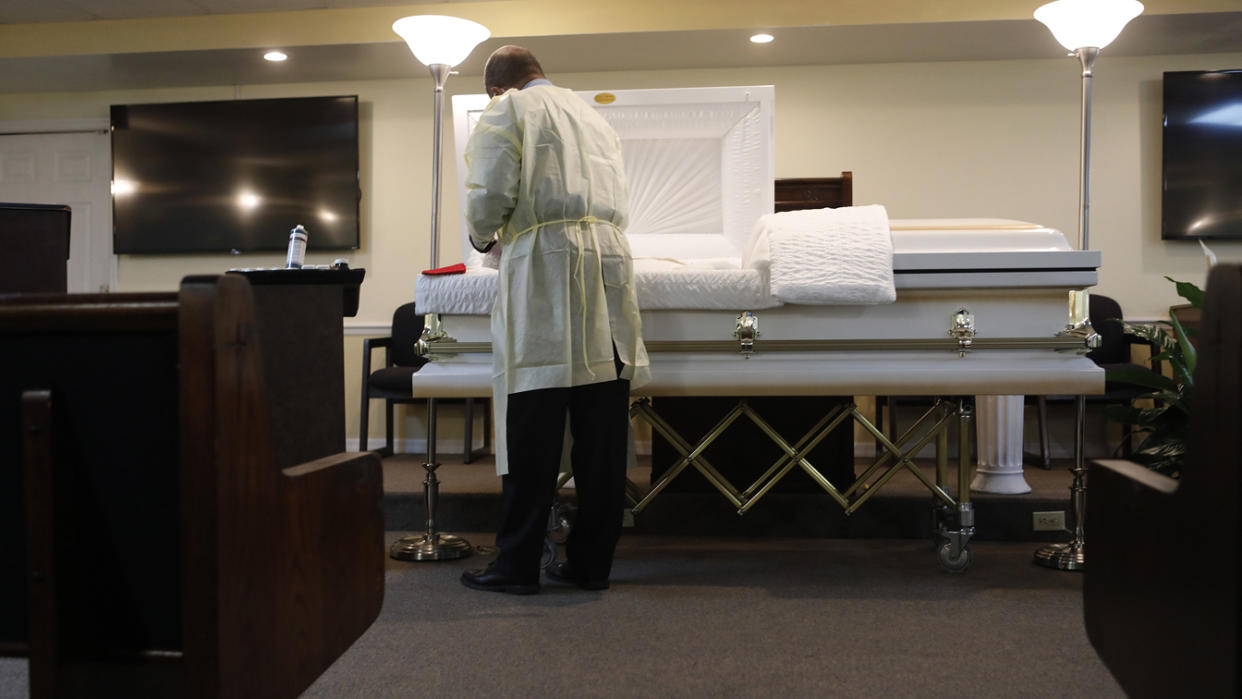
[439, 43]
[1083, 27]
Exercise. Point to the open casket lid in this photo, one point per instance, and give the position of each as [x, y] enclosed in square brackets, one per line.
[698, 161]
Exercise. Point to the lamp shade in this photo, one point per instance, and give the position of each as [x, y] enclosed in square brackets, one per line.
[437, 39]
[1080, 24]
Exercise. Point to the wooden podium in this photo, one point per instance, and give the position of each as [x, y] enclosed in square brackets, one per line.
[35, 241]
[299, 314]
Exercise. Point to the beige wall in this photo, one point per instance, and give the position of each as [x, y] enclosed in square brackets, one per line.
[995, 138]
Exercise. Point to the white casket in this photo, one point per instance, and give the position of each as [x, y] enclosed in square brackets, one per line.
[982, 306]
[700, 169]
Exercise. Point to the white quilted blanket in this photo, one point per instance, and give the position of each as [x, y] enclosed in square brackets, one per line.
[826, 256]
[662, 284]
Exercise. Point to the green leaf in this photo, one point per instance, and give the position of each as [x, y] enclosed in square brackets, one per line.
[1188, 291]
[1175, 401]
[1189, 354]
[1153, 334]
[1138, 376]
[1161, 454]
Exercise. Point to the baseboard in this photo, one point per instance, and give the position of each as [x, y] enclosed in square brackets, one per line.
[447, 446]
[408, 446]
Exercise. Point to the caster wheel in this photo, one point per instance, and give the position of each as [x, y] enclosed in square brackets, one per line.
[549, 554]
[950, 563]
[560, 521]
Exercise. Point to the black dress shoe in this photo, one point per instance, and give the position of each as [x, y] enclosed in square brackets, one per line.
[490, 580]
[564, 573]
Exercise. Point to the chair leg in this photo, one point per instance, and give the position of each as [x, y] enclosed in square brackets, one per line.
[1045, 456]
[364, 421]
[487, 425]
[468, 449]
[388, 438]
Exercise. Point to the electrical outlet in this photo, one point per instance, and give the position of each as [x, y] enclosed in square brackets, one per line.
[1048, 521]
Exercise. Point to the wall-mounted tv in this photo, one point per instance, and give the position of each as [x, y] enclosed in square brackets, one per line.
[235, 176]
[1202, 155]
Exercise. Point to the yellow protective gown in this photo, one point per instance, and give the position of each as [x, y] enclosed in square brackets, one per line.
[544, 173]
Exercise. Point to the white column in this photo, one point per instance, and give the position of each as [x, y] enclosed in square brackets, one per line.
[998, 425]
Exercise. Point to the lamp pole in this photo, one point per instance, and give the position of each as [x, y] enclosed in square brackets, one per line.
[439, 73]
[1072, 555]
[432, 545]
[438, 42]
[1083, 27]
[1086, 56]
[432, 329]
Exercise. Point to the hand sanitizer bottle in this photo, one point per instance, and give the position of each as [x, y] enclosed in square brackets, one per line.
[297, 248]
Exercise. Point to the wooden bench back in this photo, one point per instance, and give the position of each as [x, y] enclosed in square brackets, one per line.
[166, 548]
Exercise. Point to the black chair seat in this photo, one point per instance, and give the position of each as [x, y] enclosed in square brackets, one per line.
[393, 383]
[395, 380]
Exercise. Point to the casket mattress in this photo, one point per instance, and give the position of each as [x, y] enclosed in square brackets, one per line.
[661, 285]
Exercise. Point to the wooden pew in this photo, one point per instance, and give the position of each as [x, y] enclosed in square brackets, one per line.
[167, 553]
[1162, 594]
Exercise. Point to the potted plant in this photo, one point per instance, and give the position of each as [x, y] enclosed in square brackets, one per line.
[1162, 428]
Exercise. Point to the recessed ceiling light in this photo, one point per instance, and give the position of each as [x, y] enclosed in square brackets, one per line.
[761, 39]
[275, 56]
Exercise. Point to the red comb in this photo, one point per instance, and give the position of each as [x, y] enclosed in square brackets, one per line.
[459, 268]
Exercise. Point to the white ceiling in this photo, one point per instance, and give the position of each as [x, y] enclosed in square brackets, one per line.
[33, 11]
[824, 45]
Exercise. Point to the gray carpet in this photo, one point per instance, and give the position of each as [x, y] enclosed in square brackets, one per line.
[737, 617]
[730, 617]
[733, 616]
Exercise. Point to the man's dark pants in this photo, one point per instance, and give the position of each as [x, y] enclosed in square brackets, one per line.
[599, 422]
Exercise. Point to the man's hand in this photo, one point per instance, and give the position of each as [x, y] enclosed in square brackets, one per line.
[490, 244]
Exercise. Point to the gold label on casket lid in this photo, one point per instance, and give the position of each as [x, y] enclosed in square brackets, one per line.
[605, 97]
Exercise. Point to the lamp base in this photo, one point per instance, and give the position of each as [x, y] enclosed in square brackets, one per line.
[1068, 556]
[430, 547]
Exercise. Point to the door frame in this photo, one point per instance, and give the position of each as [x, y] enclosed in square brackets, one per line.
[51, 127]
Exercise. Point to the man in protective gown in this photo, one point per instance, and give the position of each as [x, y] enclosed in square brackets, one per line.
[545, 182]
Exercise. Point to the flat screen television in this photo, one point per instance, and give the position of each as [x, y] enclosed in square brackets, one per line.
[1202, 155]
[235, 176]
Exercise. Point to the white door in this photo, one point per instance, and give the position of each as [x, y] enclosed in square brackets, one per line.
[74, 169]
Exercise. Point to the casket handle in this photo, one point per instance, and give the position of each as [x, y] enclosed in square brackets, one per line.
[746, 330]
[963, 330]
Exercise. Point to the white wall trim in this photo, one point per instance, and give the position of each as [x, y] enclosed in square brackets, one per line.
[369, 329]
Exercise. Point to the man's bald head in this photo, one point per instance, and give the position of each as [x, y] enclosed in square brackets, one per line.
[510, 67]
